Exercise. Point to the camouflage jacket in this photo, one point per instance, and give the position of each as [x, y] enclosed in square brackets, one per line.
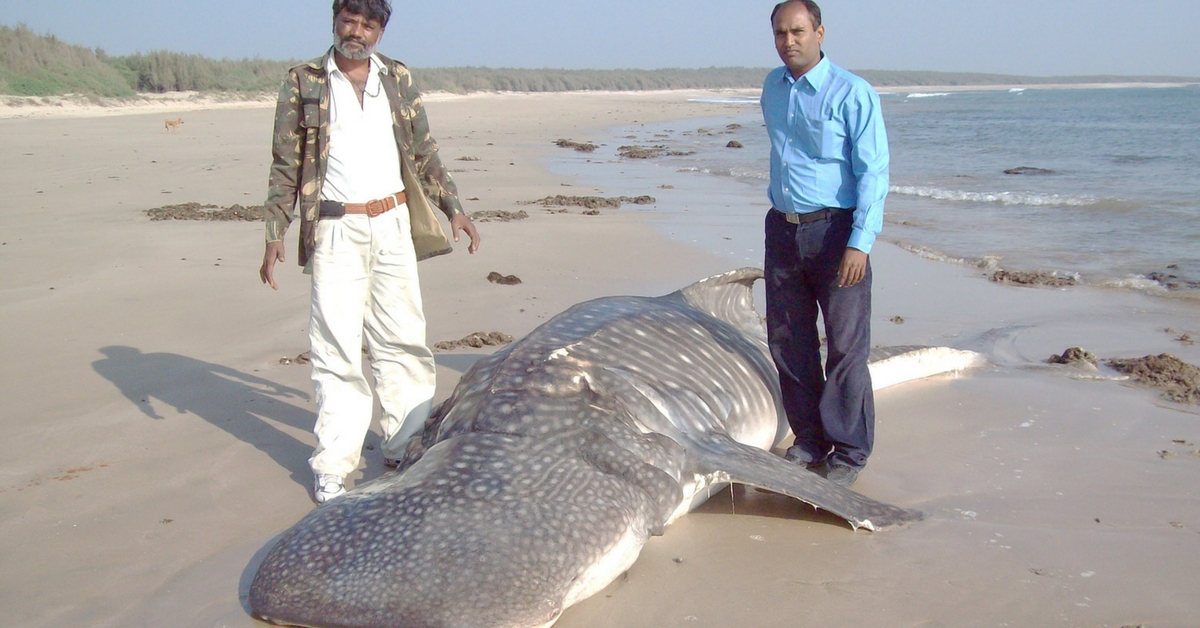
[300, 151]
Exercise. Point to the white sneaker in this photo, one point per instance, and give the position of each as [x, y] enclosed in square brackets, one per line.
[328, 487]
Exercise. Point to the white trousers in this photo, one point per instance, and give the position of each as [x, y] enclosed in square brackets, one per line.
[364, 281]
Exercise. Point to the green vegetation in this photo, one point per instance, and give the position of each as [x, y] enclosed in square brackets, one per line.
[465, 80]
[33, 65]
[161, 71]
[41, 65]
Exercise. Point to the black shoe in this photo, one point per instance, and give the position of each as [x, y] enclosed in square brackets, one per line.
[842, 475]
[797, 456]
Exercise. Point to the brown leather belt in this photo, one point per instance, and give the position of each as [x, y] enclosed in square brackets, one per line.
[820, 214]
[332, 209]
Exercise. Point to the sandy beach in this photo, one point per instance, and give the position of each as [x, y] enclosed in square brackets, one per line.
[156, 444]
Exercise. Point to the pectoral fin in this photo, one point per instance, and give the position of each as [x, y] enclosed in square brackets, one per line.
[719, 454]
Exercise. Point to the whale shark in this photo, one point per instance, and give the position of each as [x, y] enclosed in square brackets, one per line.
[538, 481]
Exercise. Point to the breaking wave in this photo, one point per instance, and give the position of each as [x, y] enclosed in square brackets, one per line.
[1002, 198]
[731, 100]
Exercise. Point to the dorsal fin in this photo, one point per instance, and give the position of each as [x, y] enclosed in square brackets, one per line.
[729, 296]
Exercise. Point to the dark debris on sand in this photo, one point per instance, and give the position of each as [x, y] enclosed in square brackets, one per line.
[1033, 278]
[1179, 380]
[476, 340]
[593, 202]
[1184, 337]
[583, 147]
[498, 215]
[1172, 281]
[1074, 355]
[303, 358]
[649, 152]
[196, 211]
[504, 280]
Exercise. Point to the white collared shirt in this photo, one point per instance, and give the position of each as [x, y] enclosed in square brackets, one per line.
[364, 161]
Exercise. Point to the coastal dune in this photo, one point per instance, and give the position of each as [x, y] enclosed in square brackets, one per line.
[157, 419]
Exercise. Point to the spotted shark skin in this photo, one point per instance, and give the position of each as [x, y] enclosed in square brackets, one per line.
[539, 480]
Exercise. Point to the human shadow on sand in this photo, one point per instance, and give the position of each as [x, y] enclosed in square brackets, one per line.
[246, 406]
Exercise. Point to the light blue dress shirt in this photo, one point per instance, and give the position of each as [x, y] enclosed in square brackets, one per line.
[828, 146]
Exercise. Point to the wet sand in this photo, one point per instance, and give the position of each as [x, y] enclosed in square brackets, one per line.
[156, 444]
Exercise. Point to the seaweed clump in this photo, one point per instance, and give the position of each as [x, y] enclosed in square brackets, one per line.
[1179, 381]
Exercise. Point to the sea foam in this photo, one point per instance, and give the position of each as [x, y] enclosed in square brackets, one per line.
[731, 100]
[1003, 198]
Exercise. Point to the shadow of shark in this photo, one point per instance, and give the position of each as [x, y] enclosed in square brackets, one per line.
[539, 480]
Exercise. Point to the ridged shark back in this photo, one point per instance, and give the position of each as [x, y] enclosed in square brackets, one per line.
[729, 297]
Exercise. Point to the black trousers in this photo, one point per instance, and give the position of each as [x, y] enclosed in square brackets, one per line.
[831, 409]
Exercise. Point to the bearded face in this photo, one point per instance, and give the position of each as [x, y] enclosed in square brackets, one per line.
[355, 36]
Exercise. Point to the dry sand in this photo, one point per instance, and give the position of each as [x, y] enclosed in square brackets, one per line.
[155, 445]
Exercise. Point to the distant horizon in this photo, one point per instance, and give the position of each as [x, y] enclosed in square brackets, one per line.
[1066, 38]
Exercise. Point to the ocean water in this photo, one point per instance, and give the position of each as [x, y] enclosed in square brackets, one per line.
[1116, 202]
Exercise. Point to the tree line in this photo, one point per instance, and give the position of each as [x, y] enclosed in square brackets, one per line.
[42, 65]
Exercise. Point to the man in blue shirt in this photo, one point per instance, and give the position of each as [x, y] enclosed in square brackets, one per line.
[829, 178]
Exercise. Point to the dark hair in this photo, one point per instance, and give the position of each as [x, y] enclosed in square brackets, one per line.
[814, 11]
[378, 10]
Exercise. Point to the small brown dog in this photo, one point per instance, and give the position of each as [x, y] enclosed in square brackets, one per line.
[172, 125]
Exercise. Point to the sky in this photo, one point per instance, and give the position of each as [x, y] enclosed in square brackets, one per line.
[1025, 37]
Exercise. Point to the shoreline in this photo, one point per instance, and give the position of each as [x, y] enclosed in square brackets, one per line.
[146, 487]
[727, 203]
[75, 105]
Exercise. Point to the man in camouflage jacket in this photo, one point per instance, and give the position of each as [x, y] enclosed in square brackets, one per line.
[301, 149]
[360, 237]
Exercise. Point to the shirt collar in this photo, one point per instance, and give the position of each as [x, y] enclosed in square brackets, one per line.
[815, 77]
[377, 67]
